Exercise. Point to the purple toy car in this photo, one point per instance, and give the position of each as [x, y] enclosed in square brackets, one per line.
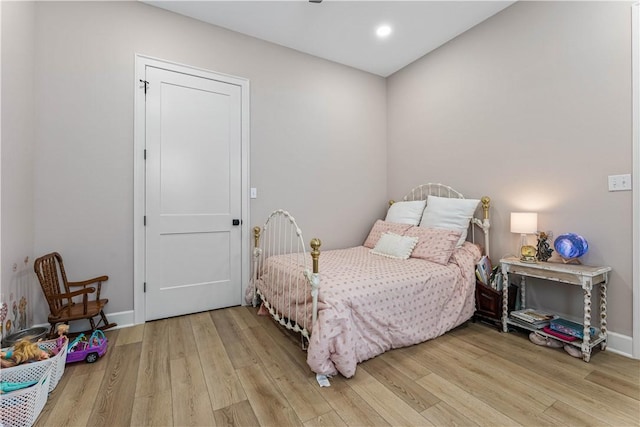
[88, 350]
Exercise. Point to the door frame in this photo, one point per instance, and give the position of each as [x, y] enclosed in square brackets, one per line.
[139, 171]
[635, 142]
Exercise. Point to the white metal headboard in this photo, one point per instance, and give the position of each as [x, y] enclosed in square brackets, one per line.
[421, 192]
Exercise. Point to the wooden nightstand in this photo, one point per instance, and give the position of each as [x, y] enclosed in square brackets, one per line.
[578, 275]
[489, 304]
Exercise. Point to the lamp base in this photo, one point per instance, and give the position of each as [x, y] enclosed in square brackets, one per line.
[528, 254]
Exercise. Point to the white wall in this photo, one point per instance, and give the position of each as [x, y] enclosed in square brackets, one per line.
[18, 138]
[532, 108]
[318, 132]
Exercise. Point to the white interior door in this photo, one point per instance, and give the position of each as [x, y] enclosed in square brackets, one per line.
[193, 194]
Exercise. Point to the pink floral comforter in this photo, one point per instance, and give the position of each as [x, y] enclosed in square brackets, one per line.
[369, 304]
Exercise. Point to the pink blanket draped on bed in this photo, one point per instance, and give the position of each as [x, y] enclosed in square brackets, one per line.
[369, 304]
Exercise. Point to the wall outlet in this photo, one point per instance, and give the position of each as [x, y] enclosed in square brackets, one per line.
[620, 182]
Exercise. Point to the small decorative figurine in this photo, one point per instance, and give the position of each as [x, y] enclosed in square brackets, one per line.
[544, 250]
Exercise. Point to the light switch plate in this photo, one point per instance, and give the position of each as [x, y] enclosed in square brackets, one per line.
[254, 193]
[620, 182]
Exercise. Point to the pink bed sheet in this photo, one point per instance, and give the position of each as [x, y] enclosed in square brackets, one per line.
[369, 304]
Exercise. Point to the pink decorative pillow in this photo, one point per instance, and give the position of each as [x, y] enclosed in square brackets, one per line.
[434, 244]
[383, 227]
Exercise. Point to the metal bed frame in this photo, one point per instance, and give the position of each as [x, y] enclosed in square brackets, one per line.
[281, 235]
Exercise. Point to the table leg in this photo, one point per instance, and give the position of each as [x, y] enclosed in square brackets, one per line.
[603, 314]
[505, 298]
[586, 337]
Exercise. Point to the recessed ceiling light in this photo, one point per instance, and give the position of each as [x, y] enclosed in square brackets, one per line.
[383, 31]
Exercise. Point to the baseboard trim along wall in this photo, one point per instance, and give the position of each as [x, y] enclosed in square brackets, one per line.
[618, 343]
[124, 319]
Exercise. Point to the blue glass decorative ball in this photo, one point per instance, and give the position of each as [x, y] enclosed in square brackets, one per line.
[571, 245]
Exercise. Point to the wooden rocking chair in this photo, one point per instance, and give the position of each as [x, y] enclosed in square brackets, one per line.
[50, 269]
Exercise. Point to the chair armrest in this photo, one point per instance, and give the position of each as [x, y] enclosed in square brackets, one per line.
[75, 293]
[97, 280]
[89, 281]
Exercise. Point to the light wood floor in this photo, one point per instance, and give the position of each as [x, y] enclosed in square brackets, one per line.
[231, 367]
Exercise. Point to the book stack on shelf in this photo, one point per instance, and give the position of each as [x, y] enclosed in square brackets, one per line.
[567, 329]
[532, 318]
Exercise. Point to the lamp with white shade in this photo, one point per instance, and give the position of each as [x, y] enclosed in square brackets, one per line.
[525, 223]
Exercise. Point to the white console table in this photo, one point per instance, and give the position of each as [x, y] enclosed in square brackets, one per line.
[579, 275]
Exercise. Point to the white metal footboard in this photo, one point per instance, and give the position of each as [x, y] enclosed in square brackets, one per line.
[281, 236]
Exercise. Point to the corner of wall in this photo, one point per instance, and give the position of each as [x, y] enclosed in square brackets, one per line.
[17, 52]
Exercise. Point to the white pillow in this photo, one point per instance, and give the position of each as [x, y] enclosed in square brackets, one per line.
[449, 214]
[406, 212]
[395, 246]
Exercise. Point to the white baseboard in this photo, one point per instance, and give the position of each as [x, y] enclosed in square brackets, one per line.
[123, 319]
[620, 344]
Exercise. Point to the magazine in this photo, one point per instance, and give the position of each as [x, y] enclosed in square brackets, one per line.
[519, 322]
[533, 316]
[483, 270]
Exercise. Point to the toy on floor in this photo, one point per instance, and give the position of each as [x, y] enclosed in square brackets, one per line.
[62, 330]
[85, 349]
[24, 351]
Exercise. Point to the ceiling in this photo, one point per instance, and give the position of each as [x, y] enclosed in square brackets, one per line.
[344, 31]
